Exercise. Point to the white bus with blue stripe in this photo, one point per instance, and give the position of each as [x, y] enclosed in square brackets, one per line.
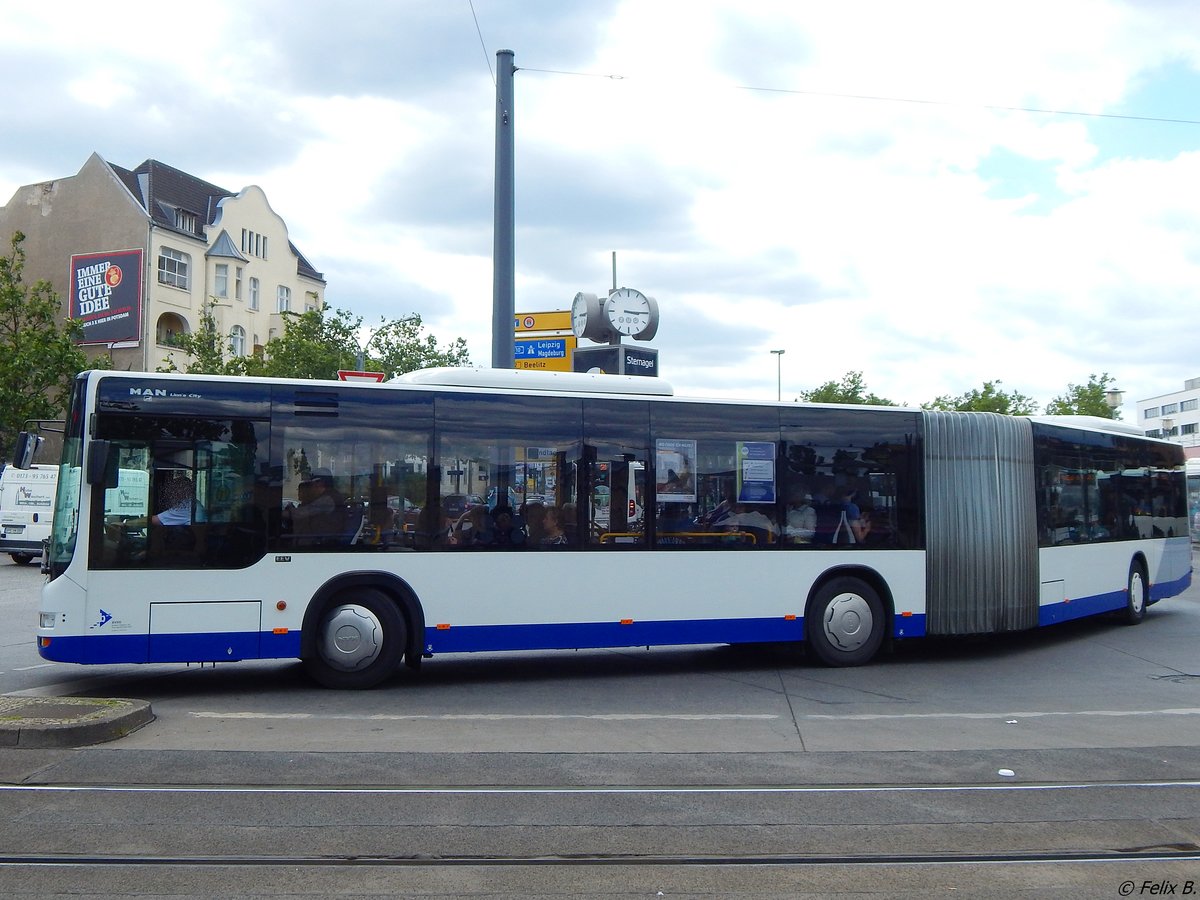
[840, 528]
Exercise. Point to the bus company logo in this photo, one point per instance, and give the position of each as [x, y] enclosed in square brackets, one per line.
[105, 618]
[147, 392]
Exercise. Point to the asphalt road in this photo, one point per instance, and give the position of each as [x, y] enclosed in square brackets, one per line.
[1063, 763]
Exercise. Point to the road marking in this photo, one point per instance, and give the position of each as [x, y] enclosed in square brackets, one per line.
[541, 789]
[38, 666]
[490, 717]
[1115, 713]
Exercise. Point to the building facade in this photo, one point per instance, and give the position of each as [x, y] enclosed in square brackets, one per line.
[1174, 416]
[138, 255]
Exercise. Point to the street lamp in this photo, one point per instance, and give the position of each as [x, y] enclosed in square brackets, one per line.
[362, 350]
[1168, 426]
[1114, 397]
[778, 374]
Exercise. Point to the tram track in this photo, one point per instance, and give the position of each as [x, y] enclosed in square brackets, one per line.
[1184, 852]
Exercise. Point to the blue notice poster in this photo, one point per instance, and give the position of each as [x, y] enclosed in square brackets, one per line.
[756, 472]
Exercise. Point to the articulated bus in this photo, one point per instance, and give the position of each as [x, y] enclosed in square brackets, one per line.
[283, 519]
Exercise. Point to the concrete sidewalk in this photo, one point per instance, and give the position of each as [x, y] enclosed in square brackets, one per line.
[29, 722]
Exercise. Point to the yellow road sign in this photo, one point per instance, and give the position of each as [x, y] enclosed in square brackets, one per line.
[555, 320]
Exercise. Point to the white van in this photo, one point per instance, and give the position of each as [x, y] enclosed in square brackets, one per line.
[26, 510]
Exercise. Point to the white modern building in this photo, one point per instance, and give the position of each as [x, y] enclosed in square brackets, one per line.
[138, 255]
[1175, 416]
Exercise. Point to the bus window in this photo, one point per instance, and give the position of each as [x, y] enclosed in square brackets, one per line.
[501, 469]
[616, 436]
[716, 478]
[144, 518]
[354, 469]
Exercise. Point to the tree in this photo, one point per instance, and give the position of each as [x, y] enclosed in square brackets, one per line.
[1086, 399]
[316, 344]
[989, 398]
[38, 356]
[850, 389]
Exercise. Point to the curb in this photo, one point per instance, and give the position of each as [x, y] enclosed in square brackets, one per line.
[39, 722]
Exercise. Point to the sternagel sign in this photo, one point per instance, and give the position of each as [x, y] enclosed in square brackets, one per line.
[106, 295]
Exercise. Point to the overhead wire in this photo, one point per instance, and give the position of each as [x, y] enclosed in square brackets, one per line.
[876, 98]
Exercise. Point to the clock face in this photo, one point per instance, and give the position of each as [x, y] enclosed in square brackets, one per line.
[628, 311]
[579, 315]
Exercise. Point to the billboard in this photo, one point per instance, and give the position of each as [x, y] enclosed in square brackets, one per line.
[106, 295]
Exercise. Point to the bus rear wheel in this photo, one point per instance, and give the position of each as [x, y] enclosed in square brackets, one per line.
[845, 622]
[359, 641]
[1135, 594]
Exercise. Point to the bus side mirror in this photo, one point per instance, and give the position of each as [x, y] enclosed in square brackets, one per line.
[25, 449]
[102, 464]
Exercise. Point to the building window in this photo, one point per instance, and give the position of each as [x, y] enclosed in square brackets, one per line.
[1188, 405]
[1150, 413]
[237, 283]
[169, 328]
[221, 281]
[254, 243]
[254, 293]
[283, 298]
[173, 267]
[237, 341]
[1169, 408]
[1189, 428]
[187, 221]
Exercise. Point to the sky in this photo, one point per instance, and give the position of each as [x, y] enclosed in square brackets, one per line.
[934, 194]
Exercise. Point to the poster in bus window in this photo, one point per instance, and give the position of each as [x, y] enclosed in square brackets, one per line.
[756, 472]
[106, 295]
[675, 462]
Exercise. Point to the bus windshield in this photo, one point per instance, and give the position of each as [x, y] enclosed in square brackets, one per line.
[66, 499]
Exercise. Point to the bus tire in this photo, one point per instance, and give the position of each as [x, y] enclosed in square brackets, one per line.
[22, 559]
[359, 642]
[845, 622]
[1136, 594]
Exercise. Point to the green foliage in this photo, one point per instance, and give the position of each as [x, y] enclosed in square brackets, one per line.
[1086, 399]
[850, 389]
[38, 356]
[989, 398]
[316, 344]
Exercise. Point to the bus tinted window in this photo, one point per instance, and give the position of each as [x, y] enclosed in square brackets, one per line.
[184, 493]
[839, 463]
[612, 512]
[354, 467]
[506, 467]
[715, 476]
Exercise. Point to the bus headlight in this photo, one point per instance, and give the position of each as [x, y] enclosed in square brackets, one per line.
[47, 619]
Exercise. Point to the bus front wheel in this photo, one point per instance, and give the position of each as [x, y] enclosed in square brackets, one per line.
[359, 641]
[845, 622]
[1135, 594]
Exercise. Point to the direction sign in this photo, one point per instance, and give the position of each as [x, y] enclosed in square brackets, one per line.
[546, 353]
[559, 320]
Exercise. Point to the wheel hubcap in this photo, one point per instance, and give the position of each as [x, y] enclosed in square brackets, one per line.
[848, 621]
[1137, 592]
[351, 638]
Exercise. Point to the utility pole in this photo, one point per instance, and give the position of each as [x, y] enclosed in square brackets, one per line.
[504, 278]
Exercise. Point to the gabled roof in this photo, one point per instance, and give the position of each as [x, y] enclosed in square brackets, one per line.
[165, 191]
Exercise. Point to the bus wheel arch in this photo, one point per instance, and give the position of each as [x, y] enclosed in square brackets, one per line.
[380, 623]
[1137, 591]
[848, 616]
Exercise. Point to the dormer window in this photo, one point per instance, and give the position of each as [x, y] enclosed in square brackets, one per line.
[187, 221]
